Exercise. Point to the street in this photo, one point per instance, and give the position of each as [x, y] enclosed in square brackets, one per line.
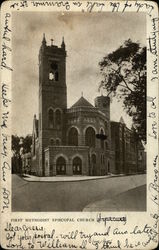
[126, 193]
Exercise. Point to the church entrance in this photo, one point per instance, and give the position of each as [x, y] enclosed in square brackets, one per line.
[60, 166]
[77, 166]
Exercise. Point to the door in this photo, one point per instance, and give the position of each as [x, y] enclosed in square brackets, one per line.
[60, 166]
[77, 166]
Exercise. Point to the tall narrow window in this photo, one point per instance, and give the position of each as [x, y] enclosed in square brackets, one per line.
[90, 137]
[73, 137]
[58, 117]
[54, 75]
[52, 142]
[58, 142]
[51, 118]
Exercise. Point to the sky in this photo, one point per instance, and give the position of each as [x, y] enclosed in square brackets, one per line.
[88, 38]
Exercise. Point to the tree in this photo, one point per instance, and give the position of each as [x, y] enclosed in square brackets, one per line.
[27, 142]
[20, 145]
[15, 145]
[16, 159]
[124, 76]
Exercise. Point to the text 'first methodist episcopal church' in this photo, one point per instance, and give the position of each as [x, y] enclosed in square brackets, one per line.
[80, 140]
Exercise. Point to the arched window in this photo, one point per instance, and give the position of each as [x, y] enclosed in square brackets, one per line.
[61, 166]
[51, 118]
[52, 142]
[58, 142]
[58, 117]
[53, 75]
[77, 165]
[102, 141]
[90, 137]
[73, 137]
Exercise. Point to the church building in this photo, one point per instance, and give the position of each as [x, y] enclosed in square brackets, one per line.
[74, 141]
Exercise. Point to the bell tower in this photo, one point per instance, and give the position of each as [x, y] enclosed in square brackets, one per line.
[52, 97]
[103, 103]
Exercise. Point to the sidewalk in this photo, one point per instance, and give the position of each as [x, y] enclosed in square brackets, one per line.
[66, 178]
[69, 178]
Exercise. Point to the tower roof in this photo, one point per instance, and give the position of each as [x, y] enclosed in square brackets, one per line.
[63, 43]
[82, 102]
[52, 48]
[44, 39]
[35, 125]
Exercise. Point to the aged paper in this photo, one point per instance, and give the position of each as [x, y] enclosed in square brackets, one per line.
[78, 173]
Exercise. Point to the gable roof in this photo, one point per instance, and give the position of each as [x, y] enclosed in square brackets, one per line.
[82, 102]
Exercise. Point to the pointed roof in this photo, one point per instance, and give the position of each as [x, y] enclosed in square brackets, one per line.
[122, 120]
[82, 102]
[63, 43]
[44, 39]
[35, 126]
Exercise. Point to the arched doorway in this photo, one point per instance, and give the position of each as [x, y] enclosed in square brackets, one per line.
[73, 137]
[93, 164]
[60, 166]
[77, 166]
[90, 137]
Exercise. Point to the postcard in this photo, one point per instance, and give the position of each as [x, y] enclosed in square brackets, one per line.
[79, 125]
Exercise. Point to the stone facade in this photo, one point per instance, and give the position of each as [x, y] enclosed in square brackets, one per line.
[74, 141]
[129, 151]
